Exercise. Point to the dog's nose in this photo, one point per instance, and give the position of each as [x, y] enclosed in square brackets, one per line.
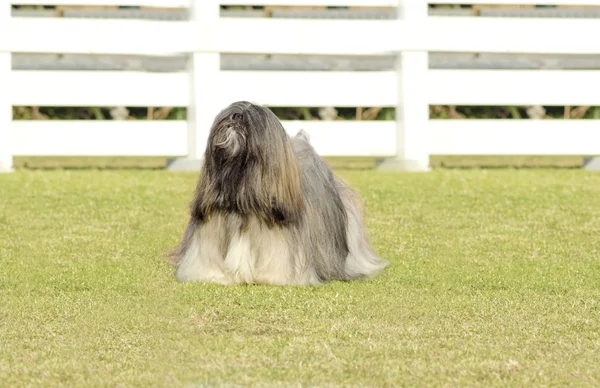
[237, 117]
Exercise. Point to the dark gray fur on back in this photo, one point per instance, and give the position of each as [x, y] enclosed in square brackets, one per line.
[324, 225]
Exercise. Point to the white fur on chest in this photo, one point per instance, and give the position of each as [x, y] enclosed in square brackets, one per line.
[253, 255]
[241, 260]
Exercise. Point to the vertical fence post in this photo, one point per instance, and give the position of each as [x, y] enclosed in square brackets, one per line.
[6, 157]
[412, 109]
[203, 71]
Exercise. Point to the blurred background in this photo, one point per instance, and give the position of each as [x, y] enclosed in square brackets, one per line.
[23, 61]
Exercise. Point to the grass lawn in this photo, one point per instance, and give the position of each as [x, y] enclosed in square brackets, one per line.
[494, 281]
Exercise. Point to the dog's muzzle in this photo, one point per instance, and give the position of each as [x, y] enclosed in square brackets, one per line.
[231, 140]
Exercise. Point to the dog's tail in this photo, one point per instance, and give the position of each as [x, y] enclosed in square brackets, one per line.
[362, 261]
[302, 134]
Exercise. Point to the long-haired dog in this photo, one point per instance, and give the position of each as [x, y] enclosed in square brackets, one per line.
[268, 210]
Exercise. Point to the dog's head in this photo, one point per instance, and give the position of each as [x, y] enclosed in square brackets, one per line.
[229, 133]
[247, 131]
[250, 164]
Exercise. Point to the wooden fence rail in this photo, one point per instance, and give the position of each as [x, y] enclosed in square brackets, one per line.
[205, 88]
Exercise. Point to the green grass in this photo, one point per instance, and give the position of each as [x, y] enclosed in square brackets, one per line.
[494, 281]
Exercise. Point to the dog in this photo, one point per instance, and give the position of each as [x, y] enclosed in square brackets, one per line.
[268, 210]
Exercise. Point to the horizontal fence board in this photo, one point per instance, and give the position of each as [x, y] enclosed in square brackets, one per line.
[514, 137]
[186, 3]
[167, 38]
[337, 138]
[348, 138]
[305, 88]
[513, 87]
[314, 3]
[97, 36]
[517, 2]
[99, 88]
[168, 138]
[434, 34]
[324, 37]
[339, 3]
[277, 88]
[128, 3]
[502, 35]
[99, 138]
[311, 88]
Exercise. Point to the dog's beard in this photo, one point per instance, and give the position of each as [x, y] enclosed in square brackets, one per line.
[231, 140]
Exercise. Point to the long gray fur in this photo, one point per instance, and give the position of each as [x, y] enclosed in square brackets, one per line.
[267, 209]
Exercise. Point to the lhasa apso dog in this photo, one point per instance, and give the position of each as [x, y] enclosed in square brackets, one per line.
[268, 210]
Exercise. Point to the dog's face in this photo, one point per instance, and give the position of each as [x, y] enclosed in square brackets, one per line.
[250, 166]
[230, 135]
[244, 130]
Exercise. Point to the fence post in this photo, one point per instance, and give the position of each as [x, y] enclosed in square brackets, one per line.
[6, 158]
[412, 109]
[203, 70]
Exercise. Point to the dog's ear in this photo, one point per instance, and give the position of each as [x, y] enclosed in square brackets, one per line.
[285, 202]
[302, 134]
[281, 187]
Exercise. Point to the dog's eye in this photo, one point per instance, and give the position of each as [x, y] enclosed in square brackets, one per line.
[237, 117]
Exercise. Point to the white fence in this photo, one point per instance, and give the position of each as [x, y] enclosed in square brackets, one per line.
[205, 89]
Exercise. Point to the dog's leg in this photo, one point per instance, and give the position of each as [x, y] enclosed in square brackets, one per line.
[263, 255]
[201, 256]
[240, 259]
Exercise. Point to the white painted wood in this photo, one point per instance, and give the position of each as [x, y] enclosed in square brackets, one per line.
[304, 88]
[99, 138]
[186, 3]
[339, 3]
[444, 34]
[169, 138]
[272, 88]
[310, 36]
[204, 83]
[336, 138]
[313, 3]
[348, 138]
[205, 89]
[513, 87]
[412, 111]
[6, 151]
[310, 88]
[99, 88]
[433, 33]
[458, 137]
[97, 36]
[502, 35]
[168, 38]
[518, 2]
[128, 3]
[514, 137]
